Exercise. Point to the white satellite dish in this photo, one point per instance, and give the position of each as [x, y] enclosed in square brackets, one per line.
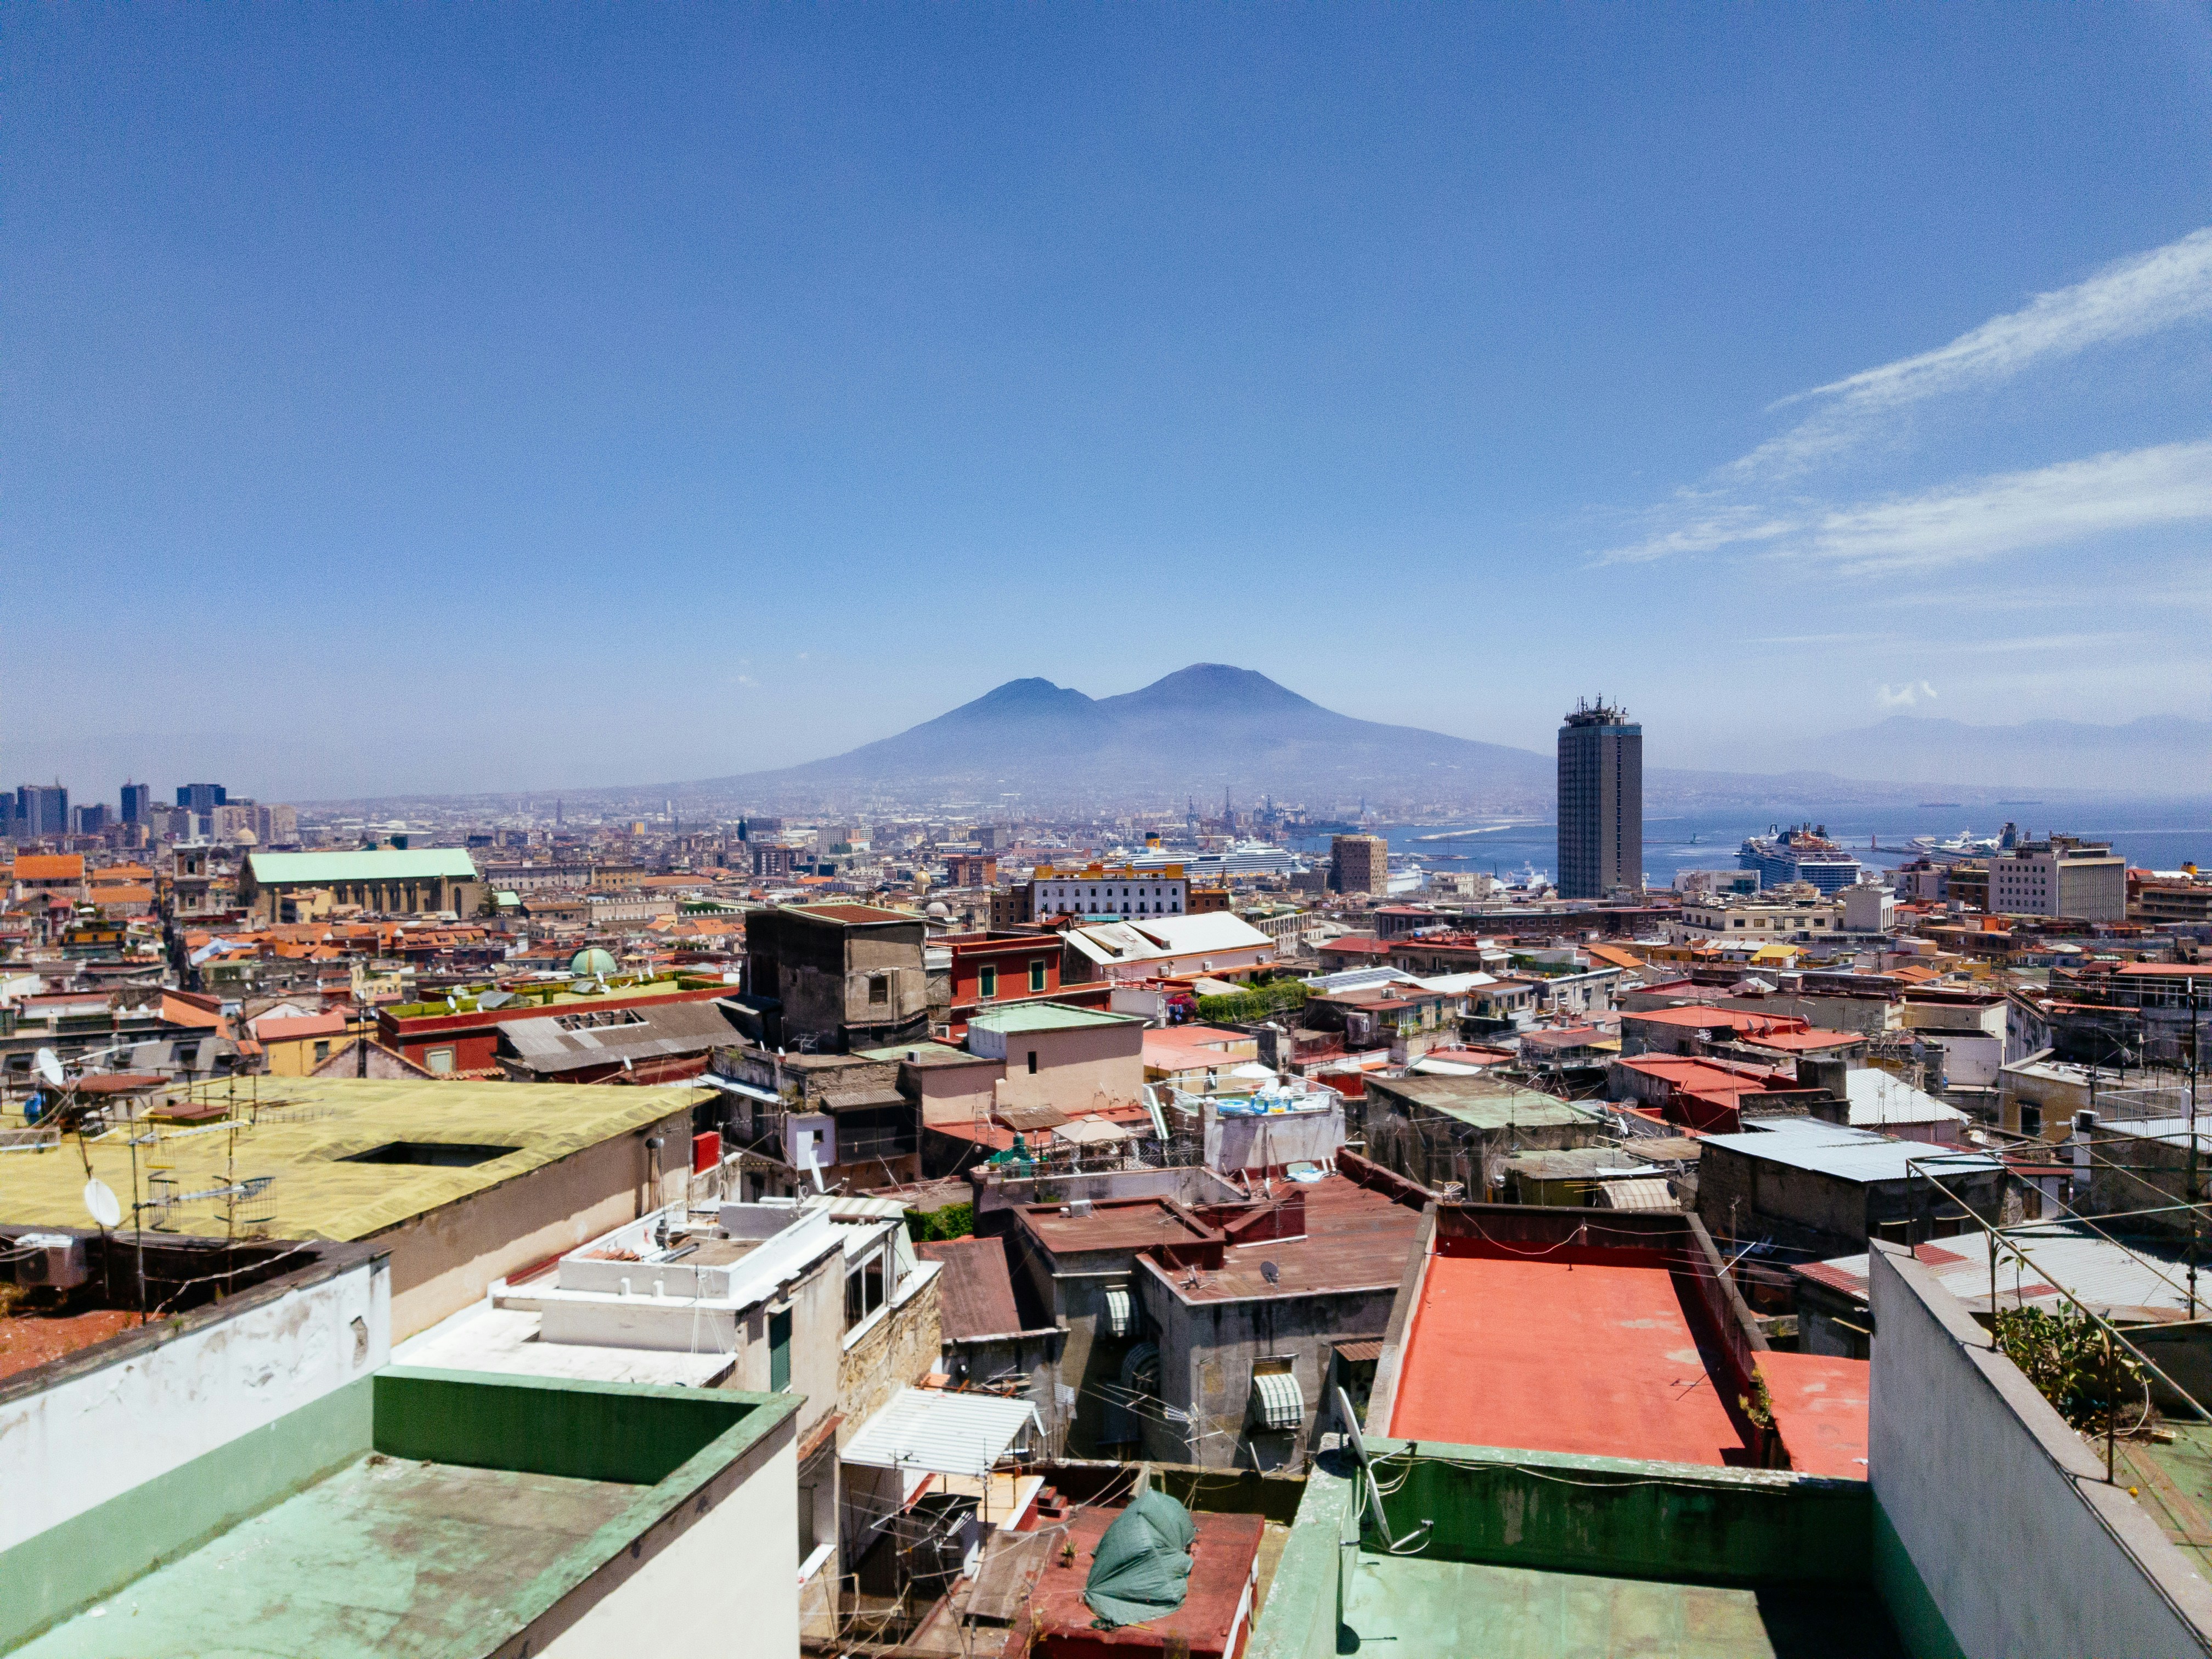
[100, 1200]
[49, 1065]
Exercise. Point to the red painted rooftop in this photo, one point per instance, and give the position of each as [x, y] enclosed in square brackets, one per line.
[1214, 1619]
[1588, 1352]
[1820, 1407]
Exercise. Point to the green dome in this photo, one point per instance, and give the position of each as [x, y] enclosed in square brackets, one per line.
[587, 964]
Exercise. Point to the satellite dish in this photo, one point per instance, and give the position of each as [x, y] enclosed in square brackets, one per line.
[1270, 1273]
[49, 1067]
[100, 1200]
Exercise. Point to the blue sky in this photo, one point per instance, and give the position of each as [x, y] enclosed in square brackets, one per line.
[400, 397]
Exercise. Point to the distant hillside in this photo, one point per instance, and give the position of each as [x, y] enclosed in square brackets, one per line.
[2164, 754]
[1199, 731]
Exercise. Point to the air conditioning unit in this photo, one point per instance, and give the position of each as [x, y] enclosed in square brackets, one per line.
[54, 1259]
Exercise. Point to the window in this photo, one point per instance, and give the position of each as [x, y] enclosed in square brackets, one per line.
[1036, 975]
[986, 981]
[1032, 1062]
[322, 1051]
[864, 1289]
[779, 1352]
[879, 989]
[438, 1062]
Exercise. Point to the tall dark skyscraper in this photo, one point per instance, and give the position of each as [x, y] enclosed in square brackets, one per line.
[138, 803]
[42, 809]
[1601, 801]
[202, 798]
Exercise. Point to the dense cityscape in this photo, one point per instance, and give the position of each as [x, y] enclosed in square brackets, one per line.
[1077, 1222]
[1106, 832]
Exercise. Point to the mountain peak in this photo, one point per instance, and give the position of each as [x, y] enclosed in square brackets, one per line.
[1212, 686]
[1034, 692]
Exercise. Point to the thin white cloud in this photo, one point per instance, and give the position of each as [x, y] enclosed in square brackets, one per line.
[1907, 695]
[2125, 301]
[1980, 519]
[2137, 489]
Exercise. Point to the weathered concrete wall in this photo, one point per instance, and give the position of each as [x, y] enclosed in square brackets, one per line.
[144, 1458]
[1996, 1533]
[447, 1259]
[899, 1347]
[1207, 1352]
[817, 1304]
[67, 1448]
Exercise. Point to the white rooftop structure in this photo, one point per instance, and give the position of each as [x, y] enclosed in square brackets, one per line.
[927, 1429]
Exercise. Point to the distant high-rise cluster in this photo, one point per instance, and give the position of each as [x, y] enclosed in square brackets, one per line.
[1601, 801]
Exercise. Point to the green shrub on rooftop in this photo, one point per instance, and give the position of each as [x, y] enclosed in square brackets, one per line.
[953, 1221]
[1256, 1003]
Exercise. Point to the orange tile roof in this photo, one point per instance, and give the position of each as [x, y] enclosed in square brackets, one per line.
[49, 866]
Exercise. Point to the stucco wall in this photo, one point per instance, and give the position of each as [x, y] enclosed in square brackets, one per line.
[447, 1259]
[66, 1448]
[1073, 1066]
[1996, 1533]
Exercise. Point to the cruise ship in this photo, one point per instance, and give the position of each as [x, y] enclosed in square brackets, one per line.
[1209, 865]
[1802, 853]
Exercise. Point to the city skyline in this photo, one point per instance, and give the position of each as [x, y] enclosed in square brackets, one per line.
[601, 331]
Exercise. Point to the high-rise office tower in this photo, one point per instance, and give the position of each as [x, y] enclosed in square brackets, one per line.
[41, 809]
[202, 798]
[1601, 802]
[137, 801]
[1358, 864]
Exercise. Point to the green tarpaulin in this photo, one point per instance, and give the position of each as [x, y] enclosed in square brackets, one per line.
[1141, 1569]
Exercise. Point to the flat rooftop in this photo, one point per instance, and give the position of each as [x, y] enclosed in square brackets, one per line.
[1134, 1224]
[306, 1133]
[1412, 1608]
[400, 1551]
[389, 1555]
[1481, 1103]
[1355, 1239]
[1594, 1358]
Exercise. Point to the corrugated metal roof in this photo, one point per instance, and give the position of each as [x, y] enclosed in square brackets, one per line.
[1878, 1097]
[1276, 1401]
[1642, 1194]
[944, 1433]
[2105, 1276]
[1849, 1154]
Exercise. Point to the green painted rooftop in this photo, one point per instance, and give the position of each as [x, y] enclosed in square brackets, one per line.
[389, 864]
[1412, 1608]
[1047, 1016]
[387, 1556]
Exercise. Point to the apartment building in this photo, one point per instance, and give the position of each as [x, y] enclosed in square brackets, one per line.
[2063, 875]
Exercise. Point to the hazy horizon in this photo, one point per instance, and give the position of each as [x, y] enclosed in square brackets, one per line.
[468, 401]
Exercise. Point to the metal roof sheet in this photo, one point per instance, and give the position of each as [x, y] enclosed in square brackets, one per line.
[944, 1433]
[1848, 1155]
[2104, 1275]
[1642, 1193]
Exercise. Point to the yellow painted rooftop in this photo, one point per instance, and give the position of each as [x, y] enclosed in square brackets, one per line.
[306, 1126]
